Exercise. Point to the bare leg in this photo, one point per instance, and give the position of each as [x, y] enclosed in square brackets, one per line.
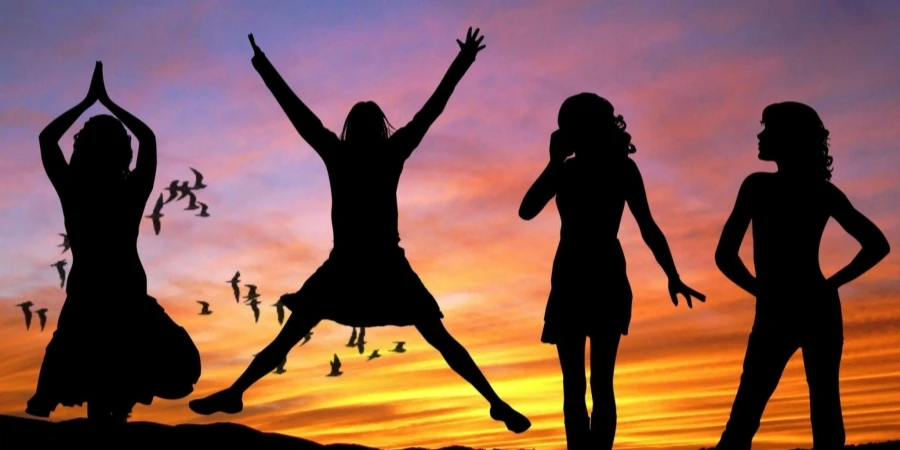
[765, 360]
[229, 400]
[603, 364]
[575, 415]
[461, 362]
[822, 361]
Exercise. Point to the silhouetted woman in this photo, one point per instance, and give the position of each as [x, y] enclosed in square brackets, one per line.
[796, 306]
[590, 295]
[114, 346]
[367, 280]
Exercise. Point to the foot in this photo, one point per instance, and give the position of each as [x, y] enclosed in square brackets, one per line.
[35, 409]
[223, 401]
[514, 420]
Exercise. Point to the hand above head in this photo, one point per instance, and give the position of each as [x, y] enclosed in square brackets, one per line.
[472, 45]
[97, 91]
[256, 50]
[677, 287]
[559, 151]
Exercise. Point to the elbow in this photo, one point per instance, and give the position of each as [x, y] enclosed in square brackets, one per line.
[526, 214]
[723, 259]
[881, 248]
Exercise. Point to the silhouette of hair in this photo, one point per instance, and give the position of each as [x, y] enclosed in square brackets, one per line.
[801, 129]
[103, 144]
[592, 114]
[366, 121]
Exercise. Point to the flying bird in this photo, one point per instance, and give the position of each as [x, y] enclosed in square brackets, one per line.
[374, 355]
[280, 310]
[26, 308]
[361, 341]
[251, 295]
[198, 179]
[280, 369]
[173, 190]
[205, 311]
[399, 348]
[62, 272]
[193, 204]
[234, 286]
[307, 338]
[335, 367]
[352, 342]
[184, 189]
[203, 208]
[65, 245]
[42, 316]
[253, 305]
[157, 213]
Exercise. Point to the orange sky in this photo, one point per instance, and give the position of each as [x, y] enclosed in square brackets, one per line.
[691, 82]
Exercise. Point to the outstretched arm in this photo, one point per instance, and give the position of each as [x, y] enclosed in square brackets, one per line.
[874, 245]
[145, 165]
[304, 120]
[51, 155]
[727, 253]
[411, 135]
[636, 196]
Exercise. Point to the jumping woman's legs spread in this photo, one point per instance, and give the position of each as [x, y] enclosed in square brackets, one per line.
[229, 400]
[603, 364]
[461, 362]
[767, 355]
[575, 415]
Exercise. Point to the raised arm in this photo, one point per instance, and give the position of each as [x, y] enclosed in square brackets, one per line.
[51, 155]
[874, 245]
[547, 184]
[321, 139]
[727, 253]
[409, 136]
[636, 196]
[144, 173]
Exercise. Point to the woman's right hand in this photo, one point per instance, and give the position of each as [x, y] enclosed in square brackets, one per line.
[473, 43]
[97, 89]
[559, 151]
[256, 50]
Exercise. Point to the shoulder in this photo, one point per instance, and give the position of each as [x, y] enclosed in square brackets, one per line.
[757, 180]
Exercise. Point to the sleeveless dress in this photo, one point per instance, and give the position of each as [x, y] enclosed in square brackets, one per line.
[590, 294]
[113, 341]
[367, 280]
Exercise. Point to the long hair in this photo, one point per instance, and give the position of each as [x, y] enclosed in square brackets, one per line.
[595, 115]
[366, 121]
[804, 132]
[102, 146]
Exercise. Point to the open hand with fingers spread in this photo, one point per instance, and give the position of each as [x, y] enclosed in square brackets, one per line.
[473, 43]
[677, 287]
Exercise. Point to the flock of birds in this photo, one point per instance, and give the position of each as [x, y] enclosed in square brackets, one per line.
[357, 339]
[178, 190]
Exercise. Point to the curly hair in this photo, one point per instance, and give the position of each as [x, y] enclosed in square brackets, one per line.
[590, 111]
[103, 139]
[804, 130]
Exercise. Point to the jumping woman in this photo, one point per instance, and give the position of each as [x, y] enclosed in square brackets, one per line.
[114, 346]
[367, 280]
[796, 306]
[590, 295]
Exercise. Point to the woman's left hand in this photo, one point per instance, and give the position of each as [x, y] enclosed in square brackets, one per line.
[677, 287]
[98, 87]
[472, 45]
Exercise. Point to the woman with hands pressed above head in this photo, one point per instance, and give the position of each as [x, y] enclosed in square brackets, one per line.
[114, 346]
[367, 280]
[590, 294]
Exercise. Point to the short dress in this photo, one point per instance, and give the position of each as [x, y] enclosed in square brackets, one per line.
[371, 288]
[590, 294]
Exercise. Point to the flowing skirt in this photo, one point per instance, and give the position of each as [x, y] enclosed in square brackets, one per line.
[122, 356]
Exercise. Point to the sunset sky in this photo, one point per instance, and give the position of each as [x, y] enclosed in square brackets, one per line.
[691, 80]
